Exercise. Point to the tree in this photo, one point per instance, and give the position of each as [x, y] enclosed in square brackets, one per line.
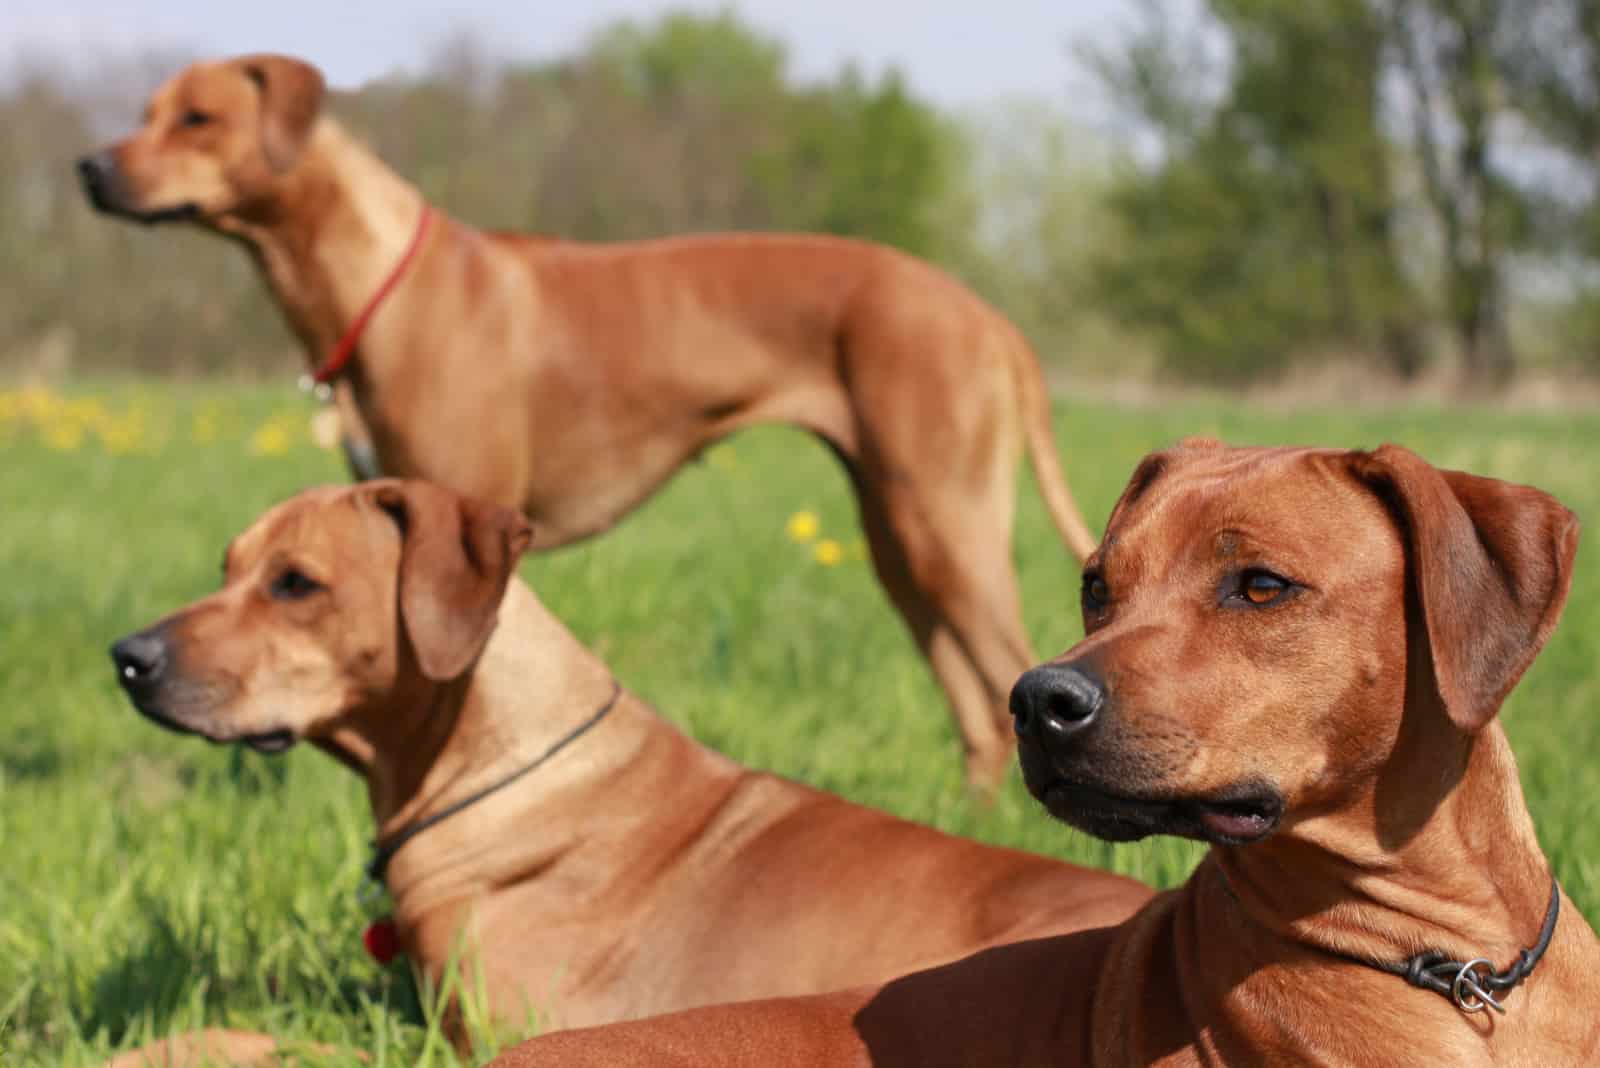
[866, 161]
[1263, 224]
[1551, 59]
[1449, 62]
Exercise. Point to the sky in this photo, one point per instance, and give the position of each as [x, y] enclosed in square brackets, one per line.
[956, 52]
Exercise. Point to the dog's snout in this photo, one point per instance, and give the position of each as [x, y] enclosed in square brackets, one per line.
[140, 659]
[1054, 702]
[93, 169]
[98, 173]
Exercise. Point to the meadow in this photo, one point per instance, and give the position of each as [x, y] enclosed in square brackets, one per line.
[152, 883]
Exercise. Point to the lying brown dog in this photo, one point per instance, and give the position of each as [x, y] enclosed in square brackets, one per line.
[621, 869]
[1296, 655]
[570, 381]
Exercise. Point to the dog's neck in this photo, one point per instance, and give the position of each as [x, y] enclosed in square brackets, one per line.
[1326, 898]
[533, 684]
[1462, 873]
[350, 222]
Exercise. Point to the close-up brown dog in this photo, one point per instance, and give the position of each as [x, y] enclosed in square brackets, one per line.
[598, 863]
[1296, 655]
[570, 381]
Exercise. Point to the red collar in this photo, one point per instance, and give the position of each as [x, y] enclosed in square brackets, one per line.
[346, 348]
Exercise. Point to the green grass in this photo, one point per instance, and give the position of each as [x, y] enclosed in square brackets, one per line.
[151, 883]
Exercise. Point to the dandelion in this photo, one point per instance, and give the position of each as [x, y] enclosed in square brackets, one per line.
[121, 436]
[271, 439]
[87, 411]
[828, 552]
[63, 435]
[37, 403]
[803, 526]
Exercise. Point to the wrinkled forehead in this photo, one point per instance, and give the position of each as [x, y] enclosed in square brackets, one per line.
[1214, 502]
[322, 523]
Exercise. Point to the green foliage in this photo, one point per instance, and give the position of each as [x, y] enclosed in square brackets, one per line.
[866, 161]
[1550, 57]
[1037, 185]
[153, 883]
[1263, 226]
[681, 56]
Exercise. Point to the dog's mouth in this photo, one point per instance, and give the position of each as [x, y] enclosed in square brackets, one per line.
[1236, 816]
[273, 741]
[185, 212]
[109, 201]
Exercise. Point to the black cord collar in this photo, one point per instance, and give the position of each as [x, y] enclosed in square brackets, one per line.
[1472, 984]
[383, 850]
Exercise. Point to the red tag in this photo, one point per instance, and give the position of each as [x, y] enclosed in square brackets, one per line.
[381, 940]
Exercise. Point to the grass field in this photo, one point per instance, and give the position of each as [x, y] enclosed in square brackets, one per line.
[150, 883]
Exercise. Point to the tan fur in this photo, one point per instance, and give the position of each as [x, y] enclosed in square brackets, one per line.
[570, 381]
[1364, 699]
[637, 872]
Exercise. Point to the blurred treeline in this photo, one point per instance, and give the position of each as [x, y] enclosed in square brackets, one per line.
[1408, 184]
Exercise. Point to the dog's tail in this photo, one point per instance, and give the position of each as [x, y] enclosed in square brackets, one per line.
[1047, 471]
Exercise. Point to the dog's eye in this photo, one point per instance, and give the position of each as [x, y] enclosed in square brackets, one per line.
[292, 585]
[1096, 593]
[1262, 588]
[194, 118]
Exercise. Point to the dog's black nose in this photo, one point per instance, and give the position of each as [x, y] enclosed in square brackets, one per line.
[98, 173]
[1054, 702]
[92, 170]
[140, 660]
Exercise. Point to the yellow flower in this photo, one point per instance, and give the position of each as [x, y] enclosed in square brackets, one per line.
[828, 552]
[37, 403]
[119, 438]
[64, 435]
[87, 411]
[272, 439]
[803, 526]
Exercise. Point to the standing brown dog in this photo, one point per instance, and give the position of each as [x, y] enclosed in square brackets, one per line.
[570, 381]
[623, 869]
[1296, 655]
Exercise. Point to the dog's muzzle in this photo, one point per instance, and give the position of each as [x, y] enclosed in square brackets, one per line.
[141, 660]
[102, 181]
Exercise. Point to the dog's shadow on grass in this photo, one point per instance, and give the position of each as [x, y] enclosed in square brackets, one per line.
[177, 975]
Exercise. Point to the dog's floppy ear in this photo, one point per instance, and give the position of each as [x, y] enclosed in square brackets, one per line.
[456, 557]
[1491, 563]
[291, 98]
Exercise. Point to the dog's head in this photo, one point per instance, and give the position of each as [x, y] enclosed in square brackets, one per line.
[217, 140]
[1262, 625]
[331, 602]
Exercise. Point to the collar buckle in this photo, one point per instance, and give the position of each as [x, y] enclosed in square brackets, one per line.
[1468, 989]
